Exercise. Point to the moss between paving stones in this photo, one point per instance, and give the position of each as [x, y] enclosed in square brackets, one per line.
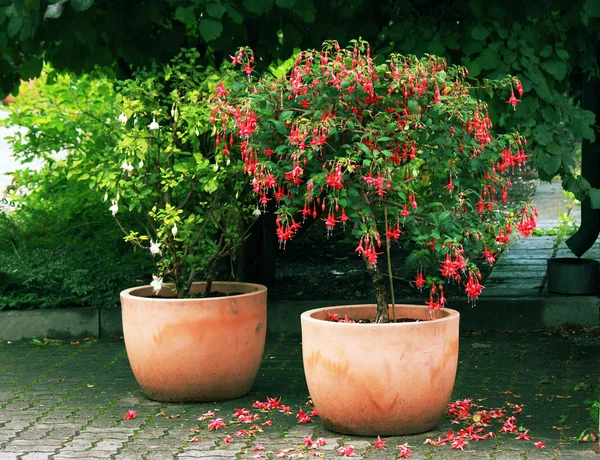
[69, 401]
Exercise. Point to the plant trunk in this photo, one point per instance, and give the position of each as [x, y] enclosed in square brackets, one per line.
[380, 293]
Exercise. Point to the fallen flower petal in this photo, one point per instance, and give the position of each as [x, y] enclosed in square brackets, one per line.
[216, 424]
[460, 443]
[539, 444]
[267, 423]
[260, 455]
[227, 439]
[404, 451]
[346, 451]
[258, 447]
[524, 436]
[308, 440]
[379, 443]
[129, 415]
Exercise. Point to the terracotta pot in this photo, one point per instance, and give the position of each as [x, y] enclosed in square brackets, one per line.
[380, 379]
[195, 349]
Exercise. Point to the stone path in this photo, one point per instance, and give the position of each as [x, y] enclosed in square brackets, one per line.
[67, 401]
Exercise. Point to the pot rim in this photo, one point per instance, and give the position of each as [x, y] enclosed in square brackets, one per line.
[573, 261]
[127, 293]
[307, 316]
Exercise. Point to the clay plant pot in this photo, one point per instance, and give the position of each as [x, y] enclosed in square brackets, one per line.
[573, 276]
[194, 350]
[380, 379]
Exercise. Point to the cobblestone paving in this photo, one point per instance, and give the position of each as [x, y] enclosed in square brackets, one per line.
[67, 401]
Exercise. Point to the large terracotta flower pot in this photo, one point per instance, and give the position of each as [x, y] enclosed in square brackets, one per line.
[380, 379]
[195, 349]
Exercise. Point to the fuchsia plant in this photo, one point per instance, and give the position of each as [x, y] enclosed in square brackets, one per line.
[398, 152]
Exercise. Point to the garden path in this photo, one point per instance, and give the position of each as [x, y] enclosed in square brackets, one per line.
[521, 271]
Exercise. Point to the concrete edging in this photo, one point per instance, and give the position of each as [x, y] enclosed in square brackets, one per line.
[490, 313]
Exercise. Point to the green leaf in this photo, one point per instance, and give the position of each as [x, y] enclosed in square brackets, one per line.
[479, 33]
[472, 47]
[592, 8]
[594, 195]
[186, 15]
[413, 106]
[234, 14]
[542, 134]
[286, 115]
[557, 69]
[551, 164]
[488, 59]
[81, 5]
[474, 68]
[14, 26]
[31, 68]
[257, 6]
[546, 51]
[215, 10]
[562, 53]
[54, 11]
[210, 29]
[287, 4]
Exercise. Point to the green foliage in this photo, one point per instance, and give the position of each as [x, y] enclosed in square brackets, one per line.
[542, 42]
[165, 168]
[60, 247]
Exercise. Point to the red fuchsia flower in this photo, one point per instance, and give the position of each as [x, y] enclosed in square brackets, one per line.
[497, 413]
[524, 436]
[267, 423]
[539, 444]
[258, 447]
[216, 424]
[332, 317]
[519, 87]
[404, 450]
[379, 443]
[346, 451]
[259, 455]
[420, 281]
[314, 412]
[129, 415]
[513, 100]
[308, 440]
[330, 223]
[489, 256]
[473, 288]
[227, 439]
[240, 433]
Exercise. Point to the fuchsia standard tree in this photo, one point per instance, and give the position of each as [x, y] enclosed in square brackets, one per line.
[397, 152]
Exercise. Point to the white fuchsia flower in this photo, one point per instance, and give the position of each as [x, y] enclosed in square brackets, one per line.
[125, 166]
[257, 212]
[174, 230]
[155, 248]
[154, 125]
[123, 118]
[156, 283]
[114, 208]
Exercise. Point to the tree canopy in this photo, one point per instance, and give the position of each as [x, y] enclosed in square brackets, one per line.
[548, 44]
